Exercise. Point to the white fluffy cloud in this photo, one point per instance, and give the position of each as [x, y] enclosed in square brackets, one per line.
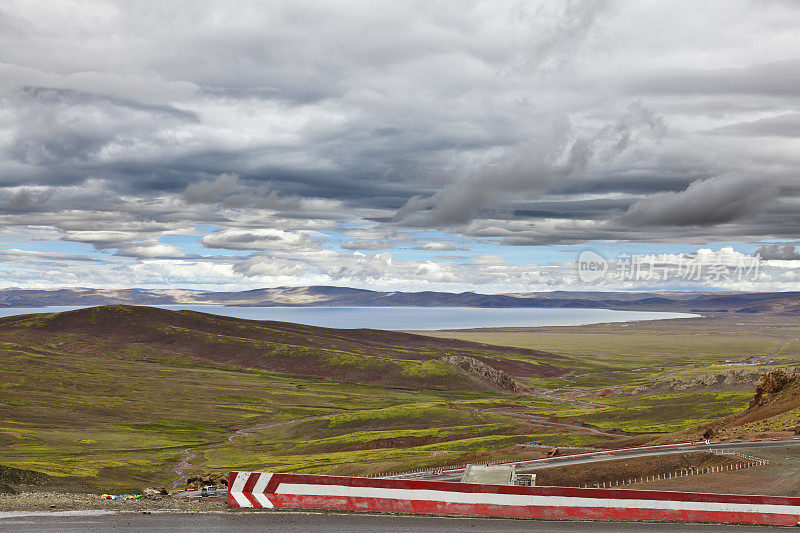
[366, 245]
[259, 239]
[436, 246]
[148, 249]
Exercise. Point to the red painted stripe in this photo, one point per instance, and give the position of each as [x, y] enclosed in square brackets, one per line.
[349, 503]
[273, 483]
[621, 494]
[231, 478]
[248, 489]
[545, 512]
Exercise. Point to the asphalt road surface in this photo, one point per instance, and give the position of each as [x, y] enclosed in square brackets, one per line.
[240, 522]
[626, 454]
[536, 464]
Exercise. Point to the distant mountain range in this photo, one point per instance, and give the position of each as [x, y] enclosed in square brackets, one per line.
[324, 296]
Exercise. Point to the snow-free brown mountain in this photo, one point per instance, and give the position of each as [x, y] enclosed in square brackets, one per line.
[322, 296]
[190, 338]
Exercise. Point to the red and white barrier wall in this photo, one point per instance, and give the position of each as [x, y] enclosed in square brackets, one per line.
[261, 489]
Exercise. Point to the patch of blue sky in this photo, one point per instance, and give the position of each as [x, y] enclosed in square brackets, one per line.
[50, 246]
[406, 248]
[519, 255]
[332, 239]
[615, 250]
[555, 254]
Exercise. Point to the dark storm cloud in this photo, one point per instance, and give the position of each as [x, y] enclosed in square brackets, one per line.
[569, 209]
[59, 127]
[776, 78]
[786, 125]
[522, 122]
[530, 168]
[208, 191]
[631, 183]
[366, 245]
[707, 202]
[391, 138]
[51, 96]
[28, 199]
[777, 251]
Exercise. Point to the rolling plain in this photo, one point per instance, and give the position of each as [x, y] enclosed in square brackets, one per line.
[121, 397]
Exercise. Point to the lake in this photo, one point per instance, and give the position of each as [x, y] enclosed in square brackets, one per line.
[407, 318]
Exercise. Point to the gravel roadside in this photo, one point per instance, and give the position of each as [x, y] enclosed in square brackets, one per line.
[61, 501]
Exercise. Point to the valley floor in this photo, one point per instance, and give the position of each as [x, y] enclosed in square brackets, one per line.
[83, 412]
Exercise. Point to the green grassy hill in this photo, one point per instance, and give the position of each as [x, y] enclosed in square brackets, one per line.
[123, 397]
[188, 338]
[117, 396]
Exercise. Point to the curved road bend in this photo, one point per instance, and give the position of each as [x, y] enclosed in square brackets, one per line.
[545, 421]
[606, 455]
[188, 455]
[296, 522]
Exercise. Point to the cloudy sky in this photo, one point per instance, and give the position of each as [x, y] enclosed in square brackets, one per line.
[405, 145]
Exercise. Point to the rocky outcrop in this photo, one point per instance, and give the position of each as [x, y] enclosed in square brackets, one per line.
[152, 493]
[775, 401]
[731, 377]
[197, 481]
[495, 377]
[770, 383]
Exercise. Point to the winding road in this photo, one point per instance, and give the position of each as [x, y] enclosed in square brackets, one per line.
[188, 455]
[545, 421]
[606, 455]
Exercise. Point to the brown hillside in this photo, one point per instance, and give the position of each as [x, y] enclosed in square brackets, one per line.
[777, 393]
[357, 355]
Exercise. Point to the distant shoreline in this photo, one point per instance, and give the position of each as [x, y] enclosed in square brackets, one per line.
[407, 318]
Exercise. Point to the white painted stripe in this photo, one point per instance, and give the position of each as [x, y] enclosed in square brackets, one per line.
[237, 489]
[258, 490]
[526, 499]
